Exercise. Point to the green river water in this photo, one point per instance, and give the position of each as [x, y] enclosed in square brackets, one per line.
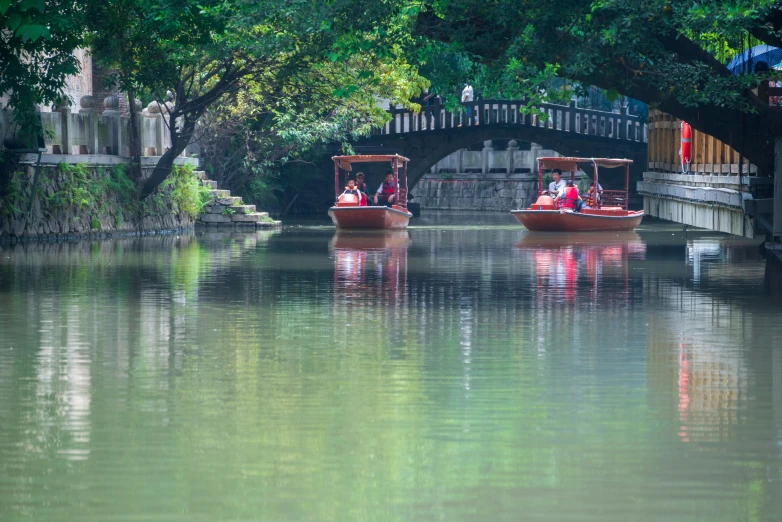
[464, 370]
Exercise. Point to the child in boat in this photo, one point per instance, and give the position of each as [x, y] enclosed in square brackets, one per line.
[350, 189]
[362, 187]
[590, 198]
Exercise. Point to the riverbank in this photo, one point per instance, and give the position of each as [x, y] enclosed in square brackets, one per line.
[67, 201]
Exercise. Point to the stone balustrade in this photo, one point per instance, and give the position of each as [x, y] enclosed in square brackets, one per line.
[561, 118]
[511, 160]
[85, 131]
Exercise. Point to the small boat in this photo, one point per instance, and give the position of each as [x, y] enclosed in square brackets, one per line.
[611, 213]
[348, 213]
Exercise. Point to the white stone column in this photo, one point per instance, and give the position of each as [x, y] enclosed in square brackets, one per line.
[87, 104]
[513, 146]
[64, 109]
[113, 121]
[485, 153]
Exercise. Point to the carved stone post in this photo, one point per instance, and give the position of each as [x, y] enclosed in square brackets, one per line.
[153, 124]
[64, 108]
[535, 151]
[513, 146]
[485, 154]
[91, 125]
[113, 122]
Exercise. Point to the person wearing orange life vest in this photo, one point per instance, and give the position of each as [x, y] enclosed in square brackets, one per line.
[387, 191]
[590, 198]
[569, 198]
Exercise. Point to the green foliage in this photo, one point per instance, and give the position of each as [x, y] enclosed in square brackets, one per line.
[182, 191]
[37, 40]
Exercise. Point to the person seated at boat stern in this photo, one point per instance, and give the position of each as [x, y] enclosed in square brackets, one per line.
[556, 186]
[386, 192]
[362, 187]
[590, 198]
[569, 200]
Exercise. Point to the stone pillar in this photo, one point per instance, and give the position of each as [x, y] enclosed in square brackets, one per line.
[153, 113]
[63, 107]
[534, 151]
[485, 153]
[113, 121]
[87, 104]
[513, 146]
[460, 162]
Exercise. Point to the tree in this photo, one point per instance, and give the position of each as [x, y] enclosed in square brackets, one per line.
[204, 50]
[37, 40]
[662, 52]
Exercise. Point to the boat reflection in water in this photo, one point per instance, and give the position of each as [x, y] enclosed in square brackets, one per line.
[566, 265]
[370, 265]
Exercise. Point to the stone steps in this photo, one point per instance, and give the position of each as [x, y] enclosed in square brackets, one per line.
[226, 211]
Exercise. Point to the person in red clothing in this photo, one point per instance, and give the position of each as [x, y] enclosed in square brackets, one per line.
[569, 198]
[386, 192]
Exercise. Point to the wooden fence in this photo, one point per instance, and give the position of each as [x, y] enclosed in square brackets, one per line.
[709, 155]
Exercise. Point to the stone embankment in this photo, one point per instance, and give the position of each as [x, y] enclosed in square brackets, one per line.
[226, 211]
[492, 192]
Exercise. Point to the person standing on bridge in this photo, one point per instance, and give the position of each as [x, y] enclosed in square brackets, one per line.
[467, 97]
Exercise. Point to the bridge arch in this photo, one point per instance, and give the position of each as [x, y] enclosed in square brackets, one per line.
[426, 148]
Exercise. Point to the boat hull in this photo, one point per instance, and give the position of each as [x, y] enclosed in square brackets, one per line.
[369, 218]
[585, 221]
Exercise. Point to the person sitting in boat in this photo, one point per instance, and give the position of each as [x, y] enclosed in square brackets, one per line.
[362, 187]
[556, 186]
[351, 189]
[590, 198]
[386, 192]
[569, 198]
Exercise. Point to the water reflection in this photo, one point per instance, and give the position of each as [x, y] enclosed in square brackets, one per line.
[441, 373]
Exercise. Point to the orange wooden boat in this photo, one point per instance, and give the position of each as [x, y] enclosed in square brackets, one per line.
[347, 212]
[611, 213]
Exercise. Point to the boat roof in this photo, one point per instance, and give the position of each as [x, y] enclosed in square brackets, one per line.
[346, 161]
[566, 163]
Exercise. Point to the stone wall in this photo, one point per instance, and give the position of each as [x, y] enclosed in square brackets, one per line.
[81, 201]
[492, 192]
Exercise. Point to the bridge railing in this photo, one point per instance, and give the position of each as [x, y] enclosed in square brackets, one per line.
[562, 118]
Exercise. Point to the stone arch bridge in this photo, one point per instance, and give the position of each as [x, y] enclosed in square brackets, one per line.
[433, 133]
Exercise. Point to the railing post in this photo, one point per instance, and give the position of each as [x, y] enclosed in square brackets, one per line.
[486, 152]
[87, 104]
[571, 116]
[622, 122]
[513, 146]
[63, 107]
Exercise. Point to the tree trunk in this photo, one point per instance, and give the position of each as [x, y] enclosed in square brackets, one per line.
[179, 141]
[134, 141]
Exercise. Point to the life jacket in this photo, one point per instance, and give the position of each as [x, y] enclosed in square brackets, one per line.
[590, 198]
[389, 189]
[351, 191]
[570, 197]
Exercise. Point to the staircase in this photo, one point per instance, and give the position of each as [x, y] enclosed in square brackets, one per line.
[226, 211]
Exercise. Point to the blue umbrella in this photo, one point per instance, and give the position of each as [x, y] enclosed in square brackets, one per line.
[759, 53]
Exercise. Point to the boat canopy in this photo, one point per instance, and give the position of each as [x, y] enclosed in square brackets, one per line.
[571, 164]
[346, 161]
[565, 164]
